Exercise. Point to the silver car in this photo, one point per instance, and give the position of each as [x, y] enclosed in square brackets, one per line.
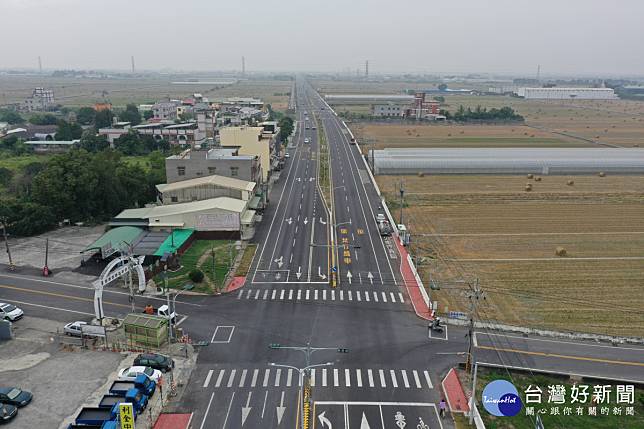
[10, 312]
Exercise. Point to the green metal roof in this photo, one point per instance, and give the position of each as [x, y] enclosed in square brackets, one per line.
[254, 202]
[179, 236]
[117, 237]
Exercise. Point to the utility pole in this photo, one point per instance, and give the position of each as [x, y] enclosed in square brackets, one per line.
[6, 243]
[133, 68]
[402, 200]
[39, 65]
[243, 66]
[366, 69]
[214, 272]
[474, 296]
[45, 269]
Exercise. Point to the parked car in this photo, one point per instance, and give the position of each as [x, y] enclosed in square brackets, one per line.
[307, 140]
[155, 361]
[10, 312]
[129, 374]
[74, 328]
[7, 412]
[287, 155]
[15, 396]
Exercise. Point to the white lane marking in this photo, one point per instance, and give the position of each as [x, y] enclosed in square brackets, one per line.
[383, 383]
[242, 380]
[347, 377]
[265, 398]
[207, 381]
[266, 375]
[341, 295]
[313, 377]
[324, 294]
[324, 377]
[384, 297]
[231, 378]
[370, 376]
[307, 294]
[359, 377]
[289, 377]
[265, 295]
[281, 294]
[417, 379]
[315, 294]
[402, 299]
[405, 380]
[232, 398]
[278, 373]
[429, 380]
[299, 294]
[203, 422]
[350, 295]
[394, 382]
[253, 382]
[336, 377]
[241, 292]
[220, 378]
[248, 294]
[393, 297]
[358, 295]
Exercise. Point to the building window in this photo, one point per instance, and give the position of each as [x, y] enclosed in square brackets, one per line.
[181, 171]
[212, 170]
[199, 173]
[234, 171]
[174, 199]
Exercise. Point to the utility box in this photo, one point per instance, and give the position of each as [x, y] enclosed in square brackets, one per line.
[5, 330]
[404, 234]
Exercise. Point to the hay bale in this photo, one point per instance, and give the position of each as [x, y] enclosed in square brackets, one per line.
[602, 174]
[530, 176]
[560, 251]
[528, 187]
[537, 179]
[636, 145]
[570, 182]
[421, 174]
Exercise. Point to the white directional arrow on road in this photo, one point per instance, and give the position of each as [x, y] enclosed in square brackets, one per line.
[321, 221]
[364, 424]
[306, 220]
[280, 410]
[311, 179]
[289, 220]
[324, 421]
[279, 261]
[349, 276]
[370, 277]
[246, 410]
[299, 272]
[322, 276]
[299, 179]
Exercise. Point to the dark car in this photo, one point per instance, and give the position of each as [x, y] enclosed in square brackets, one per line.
[7, 412]
[155, 360]
[15, 396]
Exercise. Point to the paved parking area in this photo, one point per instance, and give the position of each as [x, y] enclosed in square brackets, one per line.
[60, 380]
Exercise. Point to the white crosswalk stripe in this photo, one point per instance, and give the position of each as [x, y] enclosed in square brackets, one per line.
[278, 373]
[370, 375]
[289, 377]
[267, 373]
[220, 377]
[243, 378]
[231, 378]
[417, 379]
[307, 294]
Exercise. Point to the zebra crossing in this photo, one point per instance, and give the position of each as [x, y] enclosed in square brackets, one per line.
[329, 295]
[326, 377]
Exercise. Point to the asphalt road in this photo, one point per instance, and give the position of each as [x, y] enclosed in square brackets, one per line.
[392, 370]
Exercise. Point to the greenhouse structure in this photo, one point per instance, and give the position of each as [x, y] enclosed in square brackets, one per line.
[544, 161]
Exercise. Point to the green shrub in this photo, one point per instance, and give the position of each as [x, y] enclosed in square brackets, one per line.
[196, 276]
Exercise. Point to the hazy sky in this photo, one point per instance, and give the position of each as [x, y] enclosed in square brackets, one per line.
[513, 36]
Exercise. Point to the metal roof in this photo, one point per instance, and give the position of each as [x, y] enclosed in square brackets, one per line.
[221, 203]
[214, 180]
[116, 237]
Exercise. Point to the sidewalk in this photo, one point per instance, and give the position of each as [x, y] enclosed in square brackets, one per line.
[454, 393]
[412, 285]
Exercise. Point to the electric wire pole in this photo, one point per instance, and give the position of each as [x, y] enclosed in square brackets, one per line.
[402, 200]
[474, 296]
[6, 243]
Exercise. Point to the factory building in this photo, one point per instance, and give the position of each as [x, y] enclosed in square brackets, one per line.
[557, 93]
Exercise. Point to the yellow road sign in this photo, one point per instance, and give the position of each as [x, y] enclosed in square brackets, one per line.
[126, 415]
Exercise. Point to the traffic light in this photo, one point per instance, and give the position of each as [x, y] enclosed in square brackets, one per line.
[274, 346]
[341, 350]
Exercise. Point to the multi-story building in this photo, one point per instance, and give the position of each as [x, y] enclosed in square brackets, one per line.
[41, 99]
[185, 133]
[422, 108]
[388, 110]
[253, 141]
[165, 110]
[192, 164]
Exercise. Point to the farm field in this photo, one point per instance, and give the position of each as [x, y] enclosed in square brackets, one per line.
[76, 92]
[488, 227]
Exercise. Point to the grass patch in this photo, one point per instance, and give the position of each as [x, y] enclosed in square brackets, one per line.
[247, 259]
[522, 421]
[324, 175]
[199, 256]
[16, 163]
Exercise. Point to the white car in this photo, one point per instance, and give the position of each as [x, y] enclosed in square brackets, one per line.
[287, 155]
[307, 140]
[129, 374]
[74, 328]
[10, 312]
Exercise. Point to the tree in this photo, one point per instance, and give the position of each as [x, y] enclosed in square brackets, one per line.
[147, 114]
[86, 116]
[44, 119]
[25, 218]
[92, 142]
[186, 116]
[103, 118]
[11, 117]
[131, 114]
[5, 176]
[67, 131]
[442, 87]
[439, 98]
[286, 128]
[130, 144]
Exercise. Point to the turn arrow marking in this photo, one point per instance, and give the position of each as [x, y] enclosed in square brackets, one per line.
[324, 421]
[280, 410]
[364, 424]
[322, 276]
[279, 261]
[321, 221]
[299, 272]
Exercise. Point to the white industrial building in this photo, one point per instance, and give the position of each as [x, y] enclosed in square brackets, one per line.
[557, 93]
[508, 161]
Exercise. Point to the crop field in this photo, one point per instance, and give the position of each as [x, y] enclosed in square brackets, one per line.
[490, 228]
[75, 92]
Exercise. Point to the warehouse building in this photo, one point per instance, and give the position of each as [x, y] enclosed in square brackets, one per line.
[557, 93]
[368, 98]
[205, 188]
[509, 161]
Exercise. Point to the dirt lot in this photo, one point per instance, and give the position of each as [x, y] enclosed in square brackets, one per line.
[82, 92]
[488, 227]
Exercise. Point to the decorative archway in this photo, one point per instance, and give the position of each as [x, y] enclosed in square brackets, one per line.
[119, 267]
